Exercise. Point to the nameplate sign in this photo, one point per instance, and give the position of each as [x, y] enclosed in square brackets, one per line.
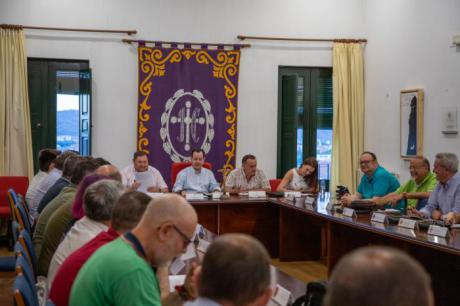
[296, 194]
[309, 200]
[437, 230]
[194, 196]
[281, 296]
[257, 194]
[349, 212]
[217, 195]
[289, 197]
[379, 218]
[407, 223]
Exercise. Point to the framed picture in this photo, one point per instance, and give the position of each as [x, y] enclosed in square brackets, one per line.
[411, 123]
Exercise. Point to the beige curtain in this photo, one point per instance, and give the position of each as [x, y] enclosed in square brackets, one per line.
[348, 122]
[15, 133]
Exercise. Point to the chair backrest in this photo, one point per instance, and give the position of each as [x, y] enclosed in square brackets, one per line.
[18, 183]
[23, 294]
[26, 241]
[22, 217]
[23, 266]
[274, 183]
[15, 229]
[177, 167]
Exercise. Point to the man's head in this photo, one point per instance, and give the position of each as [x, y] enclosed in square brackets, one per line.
[70, 165]
[47, 158]
[419, 168]
[368, 163]
[445, 166]
[110, 171]
[197, 159]
[99, 199]
[236, 271]
[249, 163]
[128, 210]
[140, 161]
[166, 229]
[378, 276]
[60, 160]
[82, 168]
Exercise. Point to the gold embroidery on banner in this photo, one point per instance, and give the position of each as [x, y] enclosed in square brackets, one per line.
[225, 66]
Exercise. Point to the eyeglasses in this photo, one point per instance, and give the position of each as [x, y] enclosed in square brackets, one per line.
[184, 237]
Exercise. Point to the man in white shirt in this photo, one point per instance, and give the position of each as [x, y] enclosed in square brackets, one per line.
[98, 201]
[142, 177]
[46, 160]
[248, 177]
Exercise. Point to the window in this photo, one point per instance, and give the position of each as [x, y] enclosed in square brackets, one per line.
[305, 119]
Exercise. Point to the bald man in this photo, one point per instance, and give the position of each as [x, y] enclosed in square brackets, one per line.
[379, 276]
[110, 171]
[120, 273]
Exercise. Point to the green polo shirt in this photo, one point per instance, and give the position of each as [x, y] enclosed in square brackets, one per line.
[116, 275]
[427, 185]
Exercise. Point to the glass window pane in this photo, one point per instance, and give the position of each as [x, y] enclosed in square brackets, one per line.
[300, 118]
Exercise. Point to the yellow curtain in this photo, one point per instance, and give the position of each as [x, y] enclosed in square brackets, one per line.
[348, 110]
[15, 133]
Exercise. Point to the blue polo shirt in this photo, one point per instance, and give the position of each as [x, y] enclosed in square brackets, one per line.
[380, 184]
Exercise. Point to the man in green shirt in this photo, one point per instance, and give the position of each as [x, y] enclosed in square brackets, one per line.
[417, 189]
[123, 271]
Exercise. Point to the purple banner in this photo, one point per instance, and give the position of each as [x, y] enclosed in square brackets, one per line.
[188, 100]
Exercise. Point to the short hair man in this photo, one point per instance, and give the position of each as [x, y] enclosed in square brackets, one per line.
[140, 176]
[417, 190]
[378, 276]
[120, 272]
[126, 214]
[235, 272]
[49, 180]
[376, 181]
[46, 160]
[444, 201]
[248, 177]
[99, 199]
[196, 178]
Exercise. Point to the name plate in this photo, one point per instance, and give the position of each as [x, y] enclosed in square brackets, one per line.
[257, 194]
[349, 212]
[407, 223]
[437, 230]
[217, 195]
[289, 197]
[309, 200]
[296, 194]
[194, 196]
[379, 218]
[281, 296]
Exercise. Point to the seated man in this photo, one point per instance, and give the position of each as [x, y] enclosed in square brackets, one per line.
[120, 272]
[417, 189]
[248, 177]
[196, 178]
[99, 199]
[46, 161]
[126, 213]
[376, 182]
[379, 276]
[140, 176]
[235, 272]
[444, 201]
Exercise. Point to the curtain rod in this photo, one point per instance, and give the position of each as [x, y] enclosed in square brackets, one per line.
[343, 40]
[15, 26]
[139, 41]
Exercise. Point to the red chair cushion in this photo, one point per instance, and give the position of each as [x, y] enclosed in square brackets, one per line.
[177, 167]
[274, 183]
[18, 183]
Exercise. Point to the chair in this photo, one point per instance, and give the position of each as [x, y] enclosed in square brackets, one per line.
[23, 294]
[17, 183]
[26, 241]
[177, 167]
[22, 217]
[274, 183]
[23, 266]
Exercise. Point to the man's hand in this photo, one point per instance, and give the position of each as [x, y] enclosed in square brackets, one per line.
[135, 185]
[412, 211]
[153, 189]
[436, 215]
[449, 218]
[346, 199]
[394, 199]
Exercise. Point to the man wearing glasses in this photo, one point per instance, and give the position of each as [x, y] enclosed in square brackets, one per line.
[376, 182]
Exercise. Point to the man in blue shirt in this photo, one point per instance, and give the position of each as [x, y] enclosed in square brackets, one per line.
[196, 178]
[376, 182]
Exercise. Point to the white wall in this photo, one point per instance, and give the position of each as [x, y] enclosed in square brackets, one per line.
[114, 64]
[410, 46]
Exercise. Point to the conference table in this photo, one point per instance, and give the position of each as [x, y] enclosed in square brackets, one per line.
[294, 231]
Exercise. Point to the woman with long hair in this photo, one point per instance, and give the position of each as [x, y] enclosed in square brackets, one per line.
[304, 178]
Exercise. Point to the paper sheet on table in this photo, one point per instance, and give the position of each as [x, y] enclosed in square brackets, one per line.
[175, 280]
